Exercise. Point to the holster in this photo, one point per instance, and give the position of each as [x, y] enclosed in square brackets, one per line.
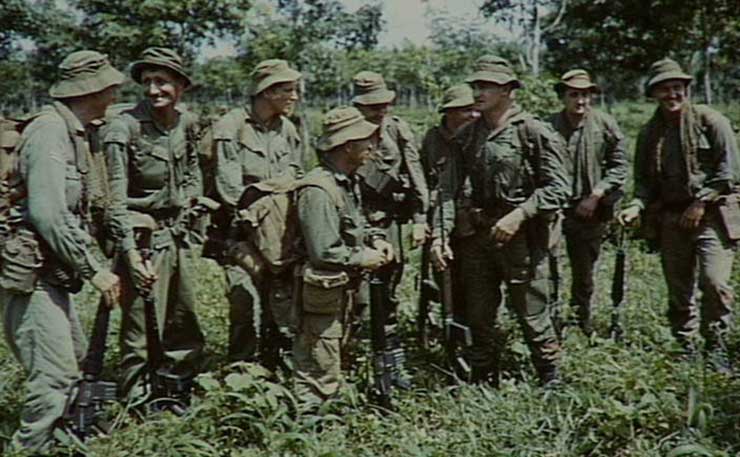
[728, 207]
[323, 291]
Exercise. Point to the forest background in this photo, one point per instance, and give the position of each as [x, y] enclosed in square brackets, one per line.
[629, 398]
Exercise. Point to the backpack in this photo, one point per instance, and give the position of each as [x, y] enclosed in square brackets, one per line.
[268, 217]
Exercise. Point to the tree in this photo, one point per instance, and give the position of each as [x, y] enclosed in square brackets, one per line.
[530, 20]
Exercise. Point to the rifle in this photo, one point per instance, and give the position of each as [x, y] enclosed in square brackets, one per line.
[428, 292]
[456, 334]
[167, 391]
[86, 400]
[386, 362]
[617, 294]
[554, 296]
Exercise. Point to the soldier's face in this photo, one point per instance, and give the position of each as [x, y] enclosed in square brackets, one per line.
[283, 97]
[577, 101]
[161, 87]
[671, 95]
[459, 117]
[490, 96]
[359, 152]
[375, 113]
[102, 100]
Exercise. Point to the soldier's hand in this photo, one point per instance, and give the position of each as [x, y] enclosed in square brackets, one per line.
[692, 216]
[142, 273]
[507, 226]
[629, 216]
[372, 259]
[386, 248]
[418, 235]
[441, 255]
[587, 207]
[109, 285]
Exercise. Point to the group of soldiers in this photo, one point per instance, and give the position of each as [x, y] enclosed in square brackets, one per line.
[489, 194]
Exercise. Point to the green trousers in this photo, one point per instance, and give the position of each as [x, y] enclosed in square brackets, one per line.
[484, 268]
[179, 332]
[43, 331]
[583, 240]
[705, 252]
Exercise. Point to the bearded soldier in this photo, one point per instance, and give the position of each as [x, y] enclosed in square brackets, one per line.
[596, 148]
[686, 170]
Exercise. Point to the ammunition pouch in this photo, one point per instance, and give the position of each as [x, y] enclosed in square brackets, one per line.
[324, 291]
[22, 261]
[728, 208]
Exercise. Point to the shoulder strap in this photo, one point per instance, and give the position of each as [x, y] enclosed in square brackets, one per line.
[327, 184]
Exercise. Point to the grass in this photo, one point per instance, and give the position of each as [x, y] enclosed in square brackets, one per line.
[633, 398]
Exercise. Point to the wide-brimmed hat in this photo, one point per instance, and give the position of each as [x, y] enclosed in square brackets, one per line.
[458, 96]
[370, 89]
[160, 57]
[494, 69]
[83, 73]
[270, 72]
[663, 70]
[345, 124]
[576, 79]
[9, 138]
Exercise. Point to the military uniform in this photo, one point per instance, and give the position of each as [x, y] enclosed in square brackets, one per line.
[677, 164]
[596, 150]
[49, 252]
[334, 231]
[504, 173]
[394, 190]
[247, 151]
[154, 170]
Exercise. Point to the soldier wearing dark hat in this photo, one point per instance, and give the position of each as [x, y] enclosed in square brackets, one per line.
[48, 253]
[153, 169]
[686, 173]
[596, 148]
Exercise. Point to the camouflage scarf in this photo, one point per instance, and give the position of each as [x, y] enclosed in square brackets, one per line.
[689, 136]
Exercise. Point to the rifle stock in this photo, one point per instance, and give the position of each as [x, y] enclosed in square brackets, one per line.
[616, 331]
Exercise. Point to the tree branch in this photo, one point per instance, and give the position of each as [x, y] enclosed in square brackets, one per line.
[558, 18]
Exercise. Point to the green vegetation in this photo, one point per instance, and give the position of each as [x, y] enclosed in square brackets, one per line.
[635, 398]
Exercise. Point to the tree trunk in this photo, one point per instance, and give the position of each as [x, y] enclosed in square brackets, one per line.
[536, 42]
[707, 75]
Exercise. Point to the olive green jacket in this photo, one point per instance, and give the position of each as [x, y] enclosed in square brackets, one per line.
[150, 169]
[54, 168]
[334, 231]
[248, 152]
[596, 150]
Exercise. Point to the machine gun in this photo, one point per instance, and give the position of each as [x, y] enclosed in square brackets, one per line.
[386, 362]
[617, 294]
[86, 402]
[167, 391]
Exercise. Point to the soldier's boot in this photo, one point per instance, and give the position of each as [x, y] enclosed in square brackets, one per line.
[485, 375]
[715, 349]
[395, 350]
[585, 323]
[546, 364]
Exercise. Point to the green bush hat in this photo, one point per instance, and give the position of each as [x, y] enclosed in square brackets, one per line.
[495, 70]
[370, 89]
[342, 125]
[84, 73]
[270, 72]
[458, 96]
[160, 57]
[663, 70]
[576, 79]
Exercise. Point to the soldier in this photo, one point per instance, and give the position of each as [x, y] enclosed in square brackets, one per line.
[48, 254]
[254, 143]
[153, 169]
[686, 164]
[394, 190]
[515, 165]
[338, 246]
[596, 148]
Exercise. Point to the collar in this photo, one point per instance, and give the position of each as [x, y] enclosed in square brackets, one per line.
[145, 110]
[74, 126]
[252, 119]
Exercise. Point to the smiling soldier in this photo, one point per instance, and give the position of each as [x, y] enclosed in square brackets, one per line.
[686, 170]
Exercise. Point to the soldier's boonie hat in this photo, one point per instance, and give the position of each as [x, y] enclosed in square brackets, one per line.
[341, 125]
[370, 89]
[494, 69]
[83, 73]
[458, 96]
[160, 57]
[9, 139]
[270, 72]
[576, 79]
[663, 70]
